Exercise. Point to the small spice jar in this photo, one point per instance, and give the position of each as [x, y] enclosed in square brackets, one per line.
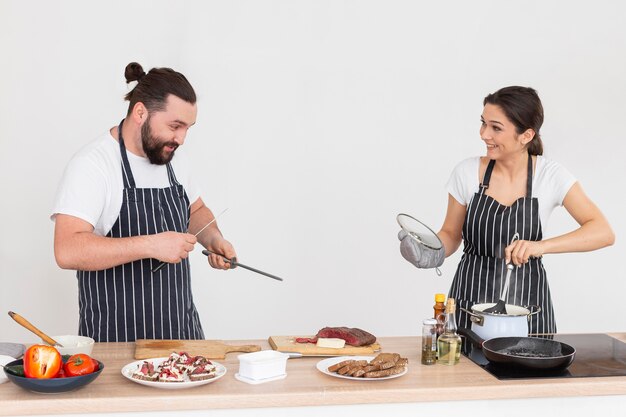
[429, 342]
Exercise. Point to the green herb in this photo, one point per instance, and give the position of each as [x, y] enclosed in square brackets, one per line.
[17, 370]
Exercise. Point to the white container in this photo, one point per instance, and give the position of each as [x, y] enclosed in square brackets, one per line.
[4, 359]
[74, 344]
[263, 365]
[491, 325]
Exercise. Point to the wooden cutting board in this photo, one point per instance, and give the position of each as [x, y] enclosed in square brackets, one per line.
[211, 349]
[289, 344]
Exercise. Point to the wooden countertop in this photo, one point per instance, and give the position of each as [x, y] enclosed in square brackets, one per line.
[303, 386]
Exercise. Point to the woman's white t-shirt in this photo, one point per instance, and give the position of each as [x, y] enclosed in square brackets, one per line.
[551, 182]
[92, 185]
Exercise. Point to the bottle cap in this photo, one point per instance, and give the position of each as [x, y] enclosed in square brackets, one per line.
[440, 298]
[430, 322]
[450, 305]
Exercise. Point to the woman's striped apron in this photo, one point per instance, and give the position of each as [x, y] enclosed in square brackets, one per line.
[129, 302]
[488, 229]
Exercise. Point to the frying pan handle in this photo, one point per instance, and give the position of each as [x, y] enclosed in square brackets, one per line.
[471, 336]
[474, 318]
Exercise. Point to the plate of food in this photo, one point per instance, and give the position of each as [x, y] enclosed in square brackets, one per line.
[178, 371]
[365, 368]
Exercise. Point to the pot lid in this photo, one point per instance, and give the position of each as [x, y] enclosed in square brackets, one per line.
[419, 231]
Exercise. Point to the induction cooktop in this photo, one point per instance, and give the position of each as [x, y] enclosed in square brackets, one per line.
[597, 355]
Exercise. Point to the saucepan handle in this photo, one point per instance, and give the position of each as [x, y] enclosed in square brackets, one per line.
[533, 307]
[479, 319]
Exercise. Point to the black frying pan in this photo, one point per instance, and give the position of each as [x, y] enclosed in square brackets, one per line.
[525, 352]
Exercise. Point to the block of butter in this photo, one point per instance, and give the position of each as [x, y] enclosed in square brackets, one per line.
[330, 343]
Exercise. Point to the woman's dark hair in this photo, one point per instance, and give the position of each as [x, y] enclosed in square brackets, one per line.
[522, 107]
[153, 88]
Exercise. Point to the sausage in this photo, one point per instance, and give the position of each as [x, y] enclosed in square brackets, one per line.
[354, 370]
[385, 364]
[339, 365]
[348, 368]
[386, 372]
[386, 357]
[369, 368]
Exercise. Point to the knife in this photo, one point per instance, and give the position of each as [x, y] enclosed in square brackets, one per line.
[295, 355]
[233, 262]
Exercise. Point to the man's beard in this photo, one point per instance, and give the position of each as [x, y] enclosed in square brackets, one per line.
[154, 147]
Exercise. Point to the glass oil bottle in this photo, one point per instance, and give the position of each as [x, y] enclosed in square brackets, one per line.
[429, 342]
[449, 343]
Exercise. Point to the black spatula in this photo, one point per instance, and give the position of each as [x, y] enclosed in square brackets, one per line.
[500, 307]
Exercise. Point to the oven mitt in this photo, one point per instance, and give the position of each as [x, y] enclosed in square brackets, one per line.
[418, 254]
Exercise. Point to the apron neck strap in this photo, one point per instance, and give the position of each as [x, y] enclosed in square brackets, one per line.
[529, 179]
[170, 174]
[485, 183]
[127, 174]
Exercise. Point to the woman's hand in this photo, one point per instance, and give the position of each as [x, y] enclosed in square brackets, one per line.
[418, 254]
[520, 251]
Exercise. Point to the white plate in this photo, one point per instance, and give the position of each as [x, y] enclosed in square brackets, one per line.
[128, 370]
[323, 366]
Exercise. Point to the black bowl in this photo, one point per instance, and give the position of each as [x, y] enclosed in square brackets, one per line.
[52, 385]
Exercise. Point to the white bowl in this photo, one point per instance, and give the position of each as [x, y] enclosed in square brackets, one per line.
[74, 344]
[4, 359]
[264, 364]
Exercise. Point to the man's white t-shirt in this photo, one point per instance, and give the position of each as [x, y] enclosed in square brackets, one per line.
[551, 182]
[92, 185]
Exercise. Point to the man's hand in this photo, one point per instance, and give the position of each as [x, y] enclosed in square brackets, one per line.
[77, 247]
[221, 246]
[172, 247]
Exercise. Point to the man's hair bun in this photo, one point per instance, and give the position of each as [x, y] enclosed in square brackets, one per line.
[133, 72]
[152, 89]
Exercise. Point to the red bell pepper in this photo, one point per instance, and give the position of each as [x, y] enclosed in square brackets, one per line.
[42, 361]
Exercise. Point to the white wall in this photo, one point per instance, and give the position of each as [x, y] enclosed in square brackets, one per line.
[318, 122]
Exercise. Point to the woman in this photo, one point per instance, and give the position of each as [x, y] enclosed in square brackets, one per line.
[513, 189]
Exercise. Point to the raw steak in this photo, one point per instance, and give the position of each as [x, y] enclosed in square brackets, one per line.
[352, 336]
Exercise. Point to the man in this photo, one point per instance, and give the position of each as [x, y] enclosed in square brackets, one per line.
[126, 202]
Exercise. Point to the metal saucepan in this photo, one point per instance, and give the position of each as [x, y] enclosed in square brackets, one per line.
[525, 352]
[490, 325]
